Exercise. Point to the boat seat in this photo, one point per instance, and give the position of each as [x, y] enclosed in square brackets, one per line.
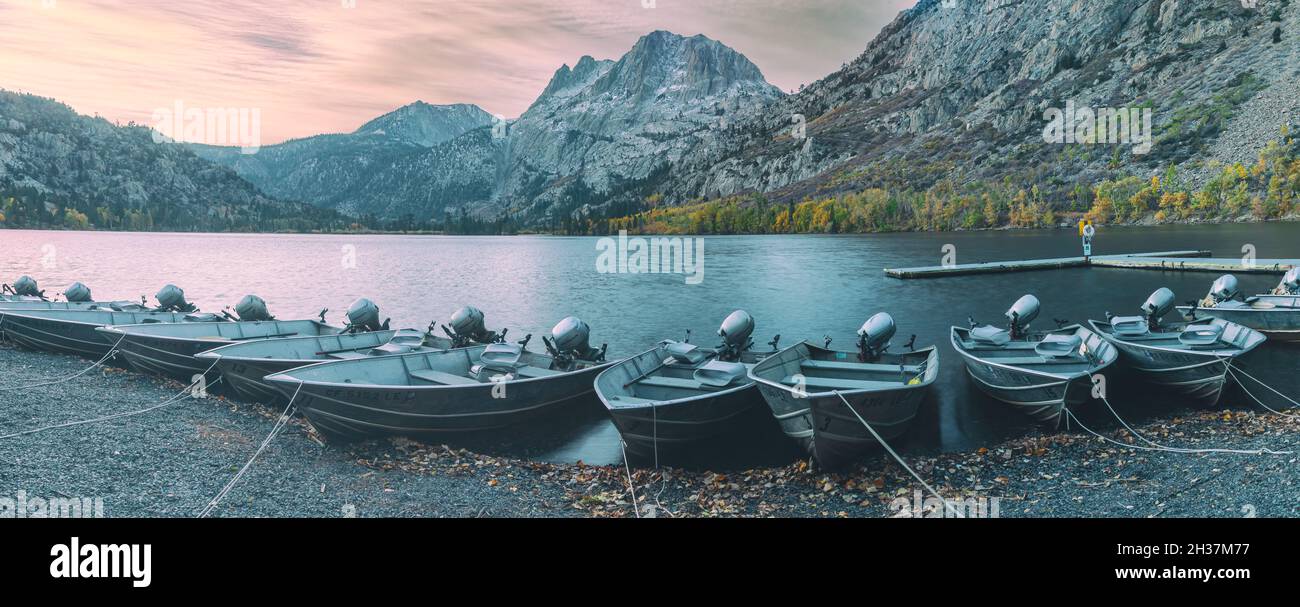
[1019, 360]
[987, 334]
[686, 353]
[720, 374]
[530, 372]
[631, 400]
[834, 383]
[1201, 335]
[848, 366]
[443, 378]
[672, 382]
[347, 355]
[1058, 346]
[1130, 326]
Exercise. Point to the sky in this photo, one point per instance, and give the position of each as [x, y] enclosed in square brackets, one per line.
[325, 66]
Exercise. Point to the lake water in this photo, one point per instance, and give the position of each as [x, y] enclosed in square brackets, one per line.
[803, 287]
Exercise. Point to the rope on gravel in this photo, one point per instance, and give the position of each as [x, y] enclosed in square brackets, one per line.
[630, 486]
[50, 381]
[280, 424]
[1158, 447]
[170, 401]
[1233, 370]
[902, 463]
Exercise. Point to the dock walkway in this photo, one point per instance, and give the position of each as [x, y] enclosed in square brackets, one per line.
[1188, 261]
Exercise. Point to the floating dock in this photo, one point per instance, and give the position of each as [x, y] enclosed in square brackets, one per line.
[1184, 261]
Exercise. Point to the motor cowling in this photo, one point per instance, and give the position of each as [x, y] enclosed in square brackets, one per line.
[252, 308]
[1024, 311]
[736, 329]
[363, 315]
[1224, 288]
[1159, 304]
[172, 297]
[77, 292]
[571, 335]
[468, 321]
[26, 286]
[877, 331]
[1290, 282]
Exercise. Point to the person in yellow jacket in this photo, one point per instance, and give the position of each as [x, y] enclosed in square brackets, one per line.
[1087, 231]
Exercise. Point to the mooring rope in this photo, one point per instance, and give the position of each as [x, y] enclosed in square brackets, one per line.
[50, 381]
[1234, 370]
[654, 413]
[1161, 447]
[902, 463]
[630, 485]
[170, 401]
[280, 424]
[1157, 446]
[1261, 402]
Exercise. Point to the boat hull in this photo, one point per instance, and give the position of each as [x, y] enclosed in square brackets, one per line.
[1278, 324]
[821, 422]
[245, 378]
[825, 427]
[172, 358]
[56, 336]
[1200, 374]
[646, 430]
[652, 426]
[366, 411]
[1043, 398]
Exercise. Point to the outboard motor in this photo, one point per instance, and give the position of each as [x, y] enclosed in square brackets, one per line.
[77, 292]
[1225, 288]
[467, 327]
[252, 308]
[1157, 306]
[25, 286]
[1023, 312]
[874, 336]
[363, 316]
[570, 342]
[172, 299]
[735, 331]
[1290, 284]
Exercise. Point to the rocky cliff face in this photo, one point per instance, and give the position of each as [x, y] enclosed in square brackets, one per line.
[597, 127]
[605, 124]
[963, 90]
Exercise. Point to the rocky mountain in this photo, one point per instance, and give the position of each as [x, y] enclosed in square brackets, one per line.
[427, 125]
[961, 90]
[598, 128]
[339, 171]
[604, 125]
[62, 169]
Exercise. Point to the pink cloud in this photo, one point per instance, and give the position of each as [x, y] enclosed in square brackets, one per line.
[314, 66]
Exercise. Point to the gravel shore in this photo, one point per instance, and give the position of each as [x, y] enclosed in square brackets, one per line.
[170, 462]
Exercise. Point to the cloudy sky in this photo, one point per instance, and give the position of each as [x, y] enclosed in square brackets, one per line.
[313, 66]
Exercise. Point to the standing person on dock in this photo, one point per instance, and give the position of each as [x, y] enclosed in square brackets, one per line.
[1087, 231]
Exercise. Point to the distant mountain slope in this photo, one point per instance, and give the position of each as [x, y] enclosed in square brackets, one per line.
[339, 171]
[598, 128]
[59, 168]
[959, 94]
[427, 125]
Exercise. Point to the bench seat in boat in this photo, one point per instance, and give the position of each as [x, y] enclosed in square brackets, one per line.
[851, 366]
[833, 383]
[440, 377]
